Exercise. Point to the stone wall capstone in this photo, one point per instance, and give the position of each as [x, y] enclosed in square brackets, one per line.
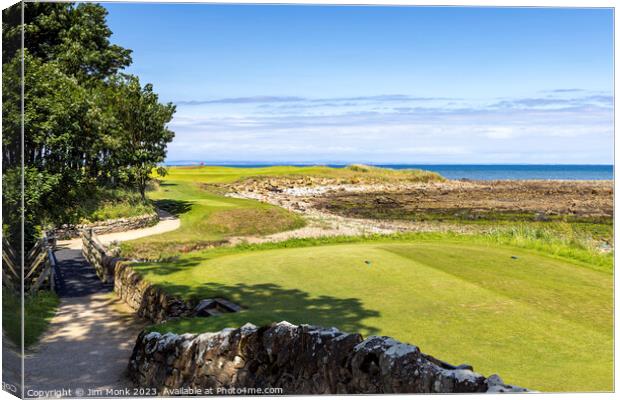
[107, 226]
[298, 359]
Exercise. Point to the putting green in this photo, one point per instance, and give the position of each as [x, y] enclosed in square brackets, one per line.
[539, 322]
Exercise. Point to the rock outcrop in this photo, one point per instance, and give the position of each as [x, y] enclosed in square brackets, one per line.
[298, 360]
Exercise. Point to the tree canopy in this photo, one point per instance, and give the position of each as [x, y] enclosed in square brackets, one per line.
[86, 123]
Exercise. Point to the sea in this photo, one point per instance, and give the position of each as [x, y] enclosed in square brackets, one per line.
[478, 171]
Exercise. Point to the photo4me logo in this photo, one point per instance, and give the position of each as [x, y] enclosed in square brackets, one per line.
[221, 391]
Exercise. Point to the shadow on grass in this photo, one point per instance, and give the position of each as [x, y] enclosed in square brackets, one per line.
[166, 268]
[174, 207]
[266, 303]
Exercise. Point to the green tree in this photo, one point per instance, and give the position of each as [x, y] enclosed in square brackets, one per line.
[143, 123]
[86, 124]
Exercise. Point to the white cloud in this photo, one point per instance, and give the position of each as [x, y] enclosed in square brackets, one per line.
[433, 130]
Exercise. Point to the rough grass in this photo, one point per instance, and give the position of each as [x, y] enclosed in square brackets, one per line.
[103, 204]
[538, 239]
[39, 310]
[534, 319]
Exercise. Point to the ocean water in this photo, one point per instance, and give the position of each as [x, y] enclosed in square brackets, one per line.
[480, 171]
[491, 172]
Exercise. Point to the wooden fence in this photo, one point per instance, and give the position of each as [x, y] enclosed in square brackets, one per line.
[40, 267]
[97, 255]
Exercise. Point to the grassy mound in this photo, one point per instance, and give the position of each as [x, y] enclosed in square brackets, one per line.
[533, 319]
[208, 217]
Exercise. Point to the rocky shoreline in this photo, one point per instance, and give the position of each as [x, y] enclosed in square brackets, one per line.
[333, 208]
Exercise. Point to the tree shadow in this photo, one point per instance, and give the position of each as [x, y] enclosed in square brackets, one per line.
[266, 303]
[167, 268]
[174, 207]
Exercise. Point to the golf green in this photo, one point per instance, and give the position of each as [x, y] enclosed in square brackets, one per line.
[539, 322]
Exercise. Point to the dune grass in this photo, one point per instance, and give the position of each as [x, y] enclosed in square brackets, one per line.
[535, 320]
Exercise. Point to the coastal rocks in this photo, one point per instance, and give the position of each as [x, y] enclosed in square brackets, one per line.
[298, 359]
[108, 226]
[147, 300]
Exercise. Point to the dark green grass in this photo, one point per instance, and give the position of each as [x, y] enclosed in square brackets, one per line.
[39, 310]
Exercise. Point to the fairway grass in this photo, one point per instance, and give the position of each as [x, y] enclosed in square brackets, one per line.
[207, 218]
[539, 322]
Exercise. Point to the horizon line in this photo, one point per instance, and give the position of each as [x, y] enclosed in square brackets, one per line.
[343, 163]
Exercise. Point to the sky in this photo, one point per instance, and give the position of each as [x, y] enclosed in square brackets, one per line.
[374, 84]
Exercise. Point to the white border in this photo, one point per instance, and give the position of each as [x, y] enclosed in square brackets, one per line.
[477, 3]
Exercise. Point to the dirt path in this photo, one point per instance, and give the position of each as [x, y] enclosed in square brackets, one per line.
[324, 224]
[86, 347]
[11, 367]
[167, 222]
[84, 352]
[89, 341]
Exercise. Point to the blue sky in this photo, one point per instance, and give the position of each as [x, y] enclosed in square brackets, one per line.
[377, 84]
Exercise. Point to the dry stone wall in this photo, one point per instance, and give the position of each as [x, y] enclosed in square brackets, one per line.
[146, 299]
[108, 226]
[297, 359]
